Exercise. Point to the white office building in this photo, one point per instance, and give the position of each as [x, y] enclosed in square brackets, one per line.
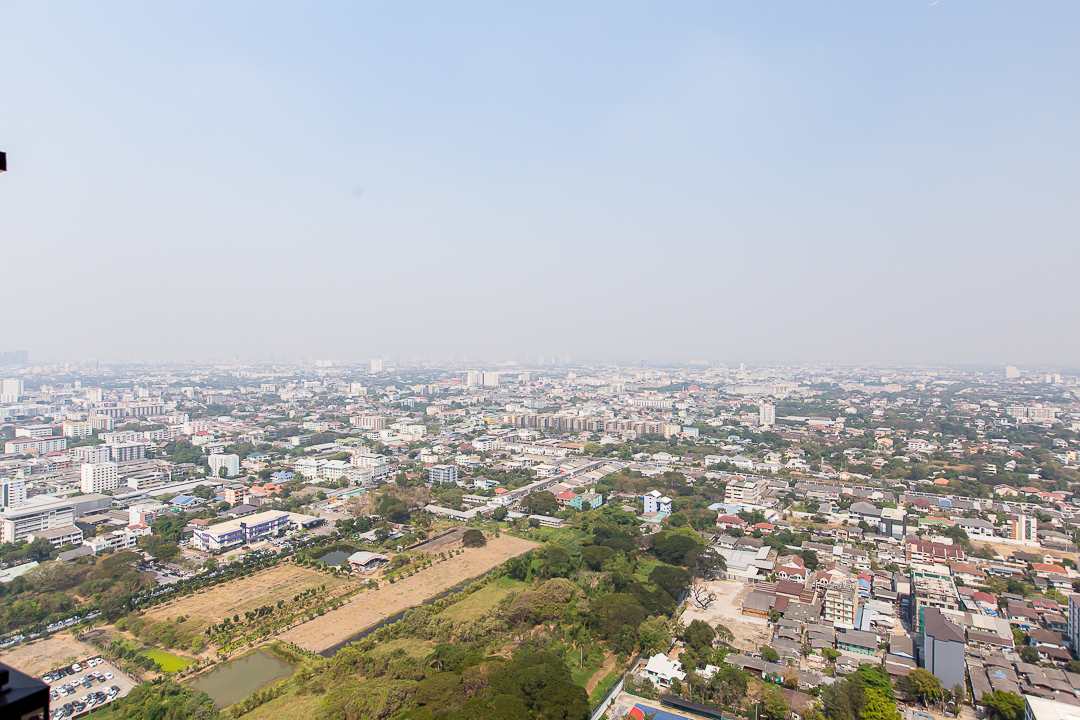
[767, 415]
[16, 523]
[230, 462]
[99, 477]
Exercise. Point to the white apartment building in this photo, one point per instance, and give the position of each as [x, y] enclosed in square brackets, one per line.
[92, 454]
[368, 422]
[99, 477]
[309, 467]
[485, 443]
[39, 445]
[744, 492]
[230, 462]
[491, 379]
[378, 465]
[335, 469]
[34, 431]
[443, 473]
[101, 422]
[655, 502]
[126, 451]
[77, 429]
[376, 365]
[766, 415]
[11, 389]
[12, 492]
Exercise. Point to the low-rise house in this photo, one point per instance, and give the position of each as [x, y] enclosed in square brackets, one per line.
[662, 671]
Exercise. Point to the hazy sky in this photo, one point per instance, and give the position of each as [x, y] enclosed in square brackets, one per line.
[729, 181]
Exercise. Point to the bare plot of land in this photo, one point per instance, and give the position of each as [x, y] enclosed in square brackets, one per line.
[265, 587]
[750, 632]
[364, 610]
[442, 543]
[38, 658]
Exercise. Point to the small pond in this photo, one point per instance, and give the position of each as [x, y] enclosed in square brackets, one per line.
[333, 558]
[233, 681]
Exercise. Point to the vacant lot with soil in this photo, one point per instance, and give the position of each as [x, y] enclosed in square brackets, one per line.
[364, 610]
[750, 632]
[40, 657]
[437, 545]
[235, 597]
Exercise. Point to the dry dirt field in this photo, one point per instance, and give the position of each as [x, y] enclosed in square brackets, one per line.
[367, 608]
[266, 587]
[437, 545]
[39, 657]
[750, 632]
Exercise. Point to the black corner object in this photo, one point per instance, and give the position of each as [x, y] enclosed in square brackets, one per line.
[22, 696]
[3, 161]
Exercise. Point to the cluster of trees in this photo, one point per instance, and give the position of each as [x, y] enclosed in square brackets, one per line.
[24, 552]
[165, 699]
[48, 592]
[159, 547]
[453, 683]
[866, 694]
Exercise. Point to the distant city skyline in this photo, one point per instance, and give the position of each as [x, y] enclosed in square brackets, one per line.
[783, 182]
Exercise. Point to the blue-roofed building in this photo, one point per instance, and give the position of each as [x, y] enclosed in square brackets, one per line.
[186, 501]
[282, 476]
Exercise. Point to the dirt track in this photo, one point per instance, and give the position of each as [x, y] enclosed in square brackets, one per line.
[367, 608]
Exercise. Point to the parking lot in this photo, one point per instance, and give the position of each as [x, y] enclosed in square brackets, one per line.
[76, 689]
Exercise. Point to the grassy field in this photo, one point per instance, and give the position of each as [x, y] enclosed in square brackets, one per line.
[167, 661]
[592, 663]
[412, 647]
[290, 705]
[478, 603]
[645, 566]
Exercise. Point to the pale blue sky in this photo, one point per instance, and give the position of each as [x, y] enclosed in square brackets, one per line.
[741, 181]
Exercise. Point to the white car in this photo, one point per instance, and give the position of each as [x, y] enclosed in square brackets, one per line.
[108, 676]
[47, 678]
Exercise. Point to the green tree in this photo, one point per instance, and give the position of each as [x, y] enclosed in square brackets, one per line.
[539, 503]
[654, 636]
[699, 635]
[773, 705]
[1001, 705]
[672, 580]
[876, 706]
[921, 685]
[768, 654]
[473, 538]
[610, 613]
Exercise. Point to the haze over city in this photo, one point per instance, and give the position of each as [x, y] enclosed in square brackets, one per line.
[727, 182]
